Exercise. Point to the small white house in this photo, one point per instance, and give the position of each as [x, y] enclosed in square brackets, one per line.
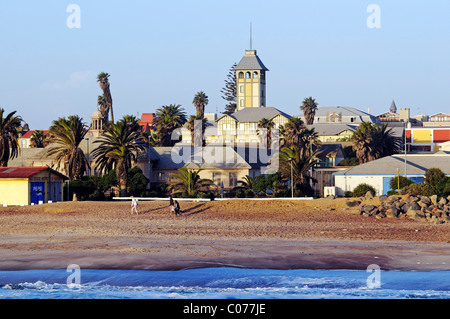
[379, 173]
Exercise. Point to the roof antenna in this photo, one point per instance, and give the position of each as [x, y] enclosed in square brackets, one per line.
[250, 36]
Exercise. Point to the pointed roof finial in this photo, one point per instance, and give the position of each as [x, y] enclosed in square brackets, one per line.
[393, 107]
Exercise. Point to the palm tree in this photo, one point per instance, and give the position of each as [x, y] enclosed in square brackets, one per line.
[65, 137]
[301, 164]
[118, 148]
[363, 142]
[265, 126]
[373, 141]
[189, 181]
[9, 135]
[102, 106]
[196, 140]
[248, 182]
[103, 79]
[200, 101]
[292, 131]
[387, 143]
[167, 119]
[38, 139]
[309, 108]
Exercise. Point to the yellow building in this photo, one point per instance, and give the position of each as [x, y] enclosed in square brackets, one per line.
[250, 81]
[30, 185]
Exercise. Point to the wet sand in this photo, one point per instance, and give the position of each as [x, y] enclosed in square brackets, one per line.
[319, 234]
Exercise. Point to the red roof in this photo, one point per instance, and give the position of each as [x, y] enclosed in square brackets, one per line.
[24, 172]
[29, 133]
[147, 118]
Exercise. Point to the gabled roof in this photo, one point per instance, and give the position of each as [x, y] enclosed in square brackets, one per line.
[25, 172]
[332, 129]
[251, 61]
[255, 114]
[29, 133]
[392, 165]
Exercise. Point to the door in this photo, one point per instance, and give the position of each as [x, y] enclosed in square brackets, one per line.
[37, 192]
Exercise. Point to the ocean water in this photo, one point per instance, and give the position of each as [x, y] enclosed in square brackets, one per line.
[224, 283]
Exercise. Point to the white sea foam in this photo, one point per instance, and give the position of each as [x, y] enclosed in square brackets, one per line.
[223, 283]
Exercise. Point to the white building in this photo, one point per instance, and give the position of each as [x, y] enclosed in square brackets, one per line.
[379, 173]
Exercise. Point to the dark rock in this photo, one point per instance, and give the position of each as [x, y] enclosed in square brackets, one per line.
[425, 200]
[383, 198]
[352, 203]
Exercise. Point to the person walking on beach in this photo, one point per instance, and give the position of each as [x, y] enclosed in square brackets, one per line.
[177, 208]
[134, 205]
[171, 204]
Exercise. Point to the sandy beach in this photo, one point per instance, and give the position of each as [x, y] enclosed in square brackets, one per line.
[319, 234]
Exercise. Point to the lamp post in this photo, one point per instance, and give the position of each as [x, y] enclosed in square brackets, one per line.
[292, 178]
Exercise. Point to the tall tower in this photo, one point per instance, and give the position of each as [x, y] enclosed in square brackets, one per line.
[251, 81]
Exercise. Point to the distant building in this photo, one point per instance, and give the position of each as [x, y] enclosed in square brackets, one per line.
[30, 185]
[426, 139]
[341, 115]
[379, 173]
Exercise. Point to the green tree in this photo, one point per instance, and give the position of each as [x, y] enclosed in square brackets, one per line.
[291, 159]
[265, 126]
[197, 140]
[9, 136]
[399, 180]
[229, 91]
[189, 181]
[168, 118]
[38, 139]
[200, 102]
[65, 137]
[309, 108]
[137, 182]
[373, 141]
[433, 177]
[103, 79]
[119, 147]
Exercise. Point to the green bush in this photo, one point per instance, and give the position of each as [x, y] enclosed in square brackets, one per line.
[433, 176]
[404, 182]
[362, 189]
[419, 189]
[444, 187]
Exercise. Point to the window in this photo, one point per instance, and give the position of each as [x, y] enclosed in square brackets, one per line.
[248, 75]
[241, 75]
[161, 176]
[241, 127]
[241, 88]
[233, 179]
[242, 103]
[255, 75]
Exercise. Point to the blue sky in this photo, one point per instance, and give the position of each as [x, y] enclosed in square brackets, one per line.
[163, 52]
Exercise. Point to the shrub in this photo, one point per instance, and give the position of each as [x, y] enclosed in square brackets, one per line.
[362, 189]
[404, 182]
[419, 189]
[433, 177]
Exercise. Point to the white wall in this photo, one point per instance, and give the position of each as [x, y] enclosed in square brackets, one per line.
[346, 183]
